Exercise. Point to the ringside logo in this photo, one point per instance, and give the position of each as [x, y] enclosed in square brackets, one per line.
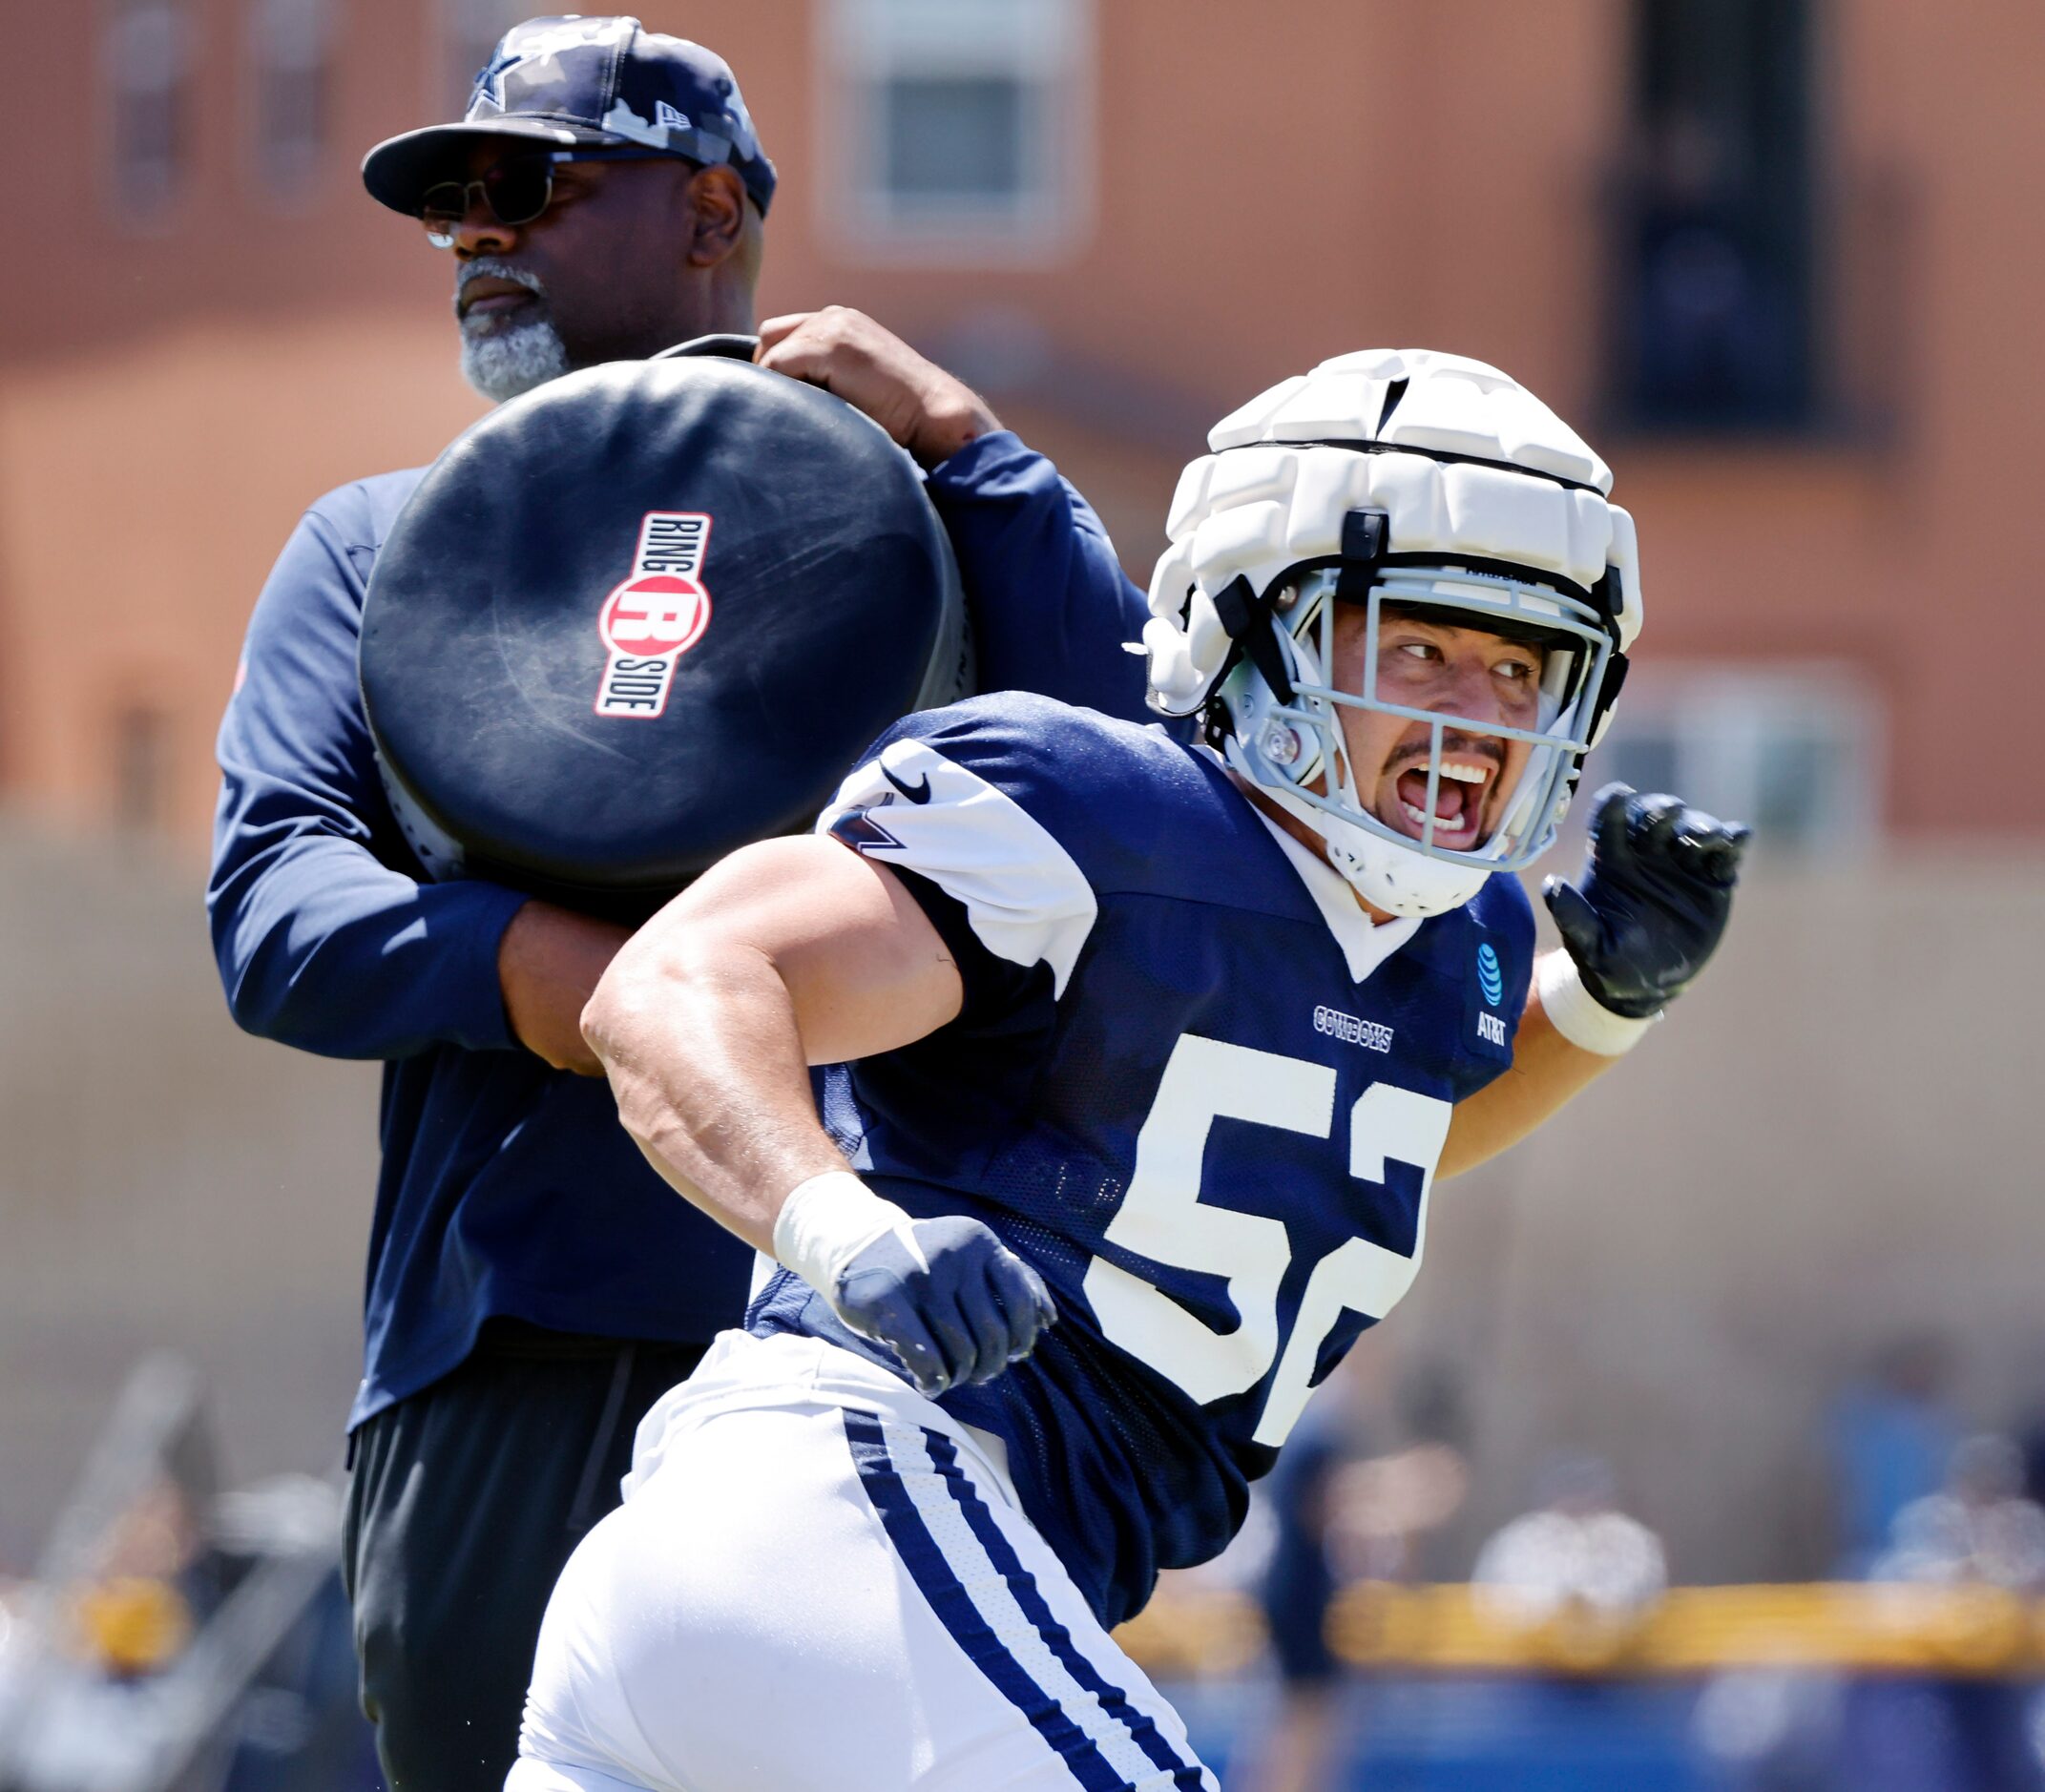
[656, 615]
[1372, 1036]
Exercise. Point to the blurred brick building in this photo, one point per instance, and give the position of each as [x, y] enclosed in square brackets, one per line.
[1779, 260]
[1777, 257]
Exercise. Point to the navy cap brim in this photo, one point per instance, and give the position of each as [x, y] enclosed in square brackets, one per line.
[399, 169]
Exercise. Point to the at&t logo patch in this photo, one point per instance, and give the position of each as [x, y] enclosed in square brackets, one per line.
[1490, 986]
[656, 615]
[1491, 979]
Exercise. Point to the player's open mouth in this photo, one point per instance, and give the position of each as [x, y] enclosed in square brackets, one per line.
[1459, 801]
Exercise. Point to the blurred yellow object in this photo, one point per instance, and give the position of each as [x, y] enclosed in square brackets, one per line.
[131, 1624]
[1975, 1630]
[1215, 1631]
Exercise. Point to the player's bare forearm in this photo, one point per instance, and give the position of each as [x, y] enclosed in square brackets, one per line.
[1546, 1071]
[789, 953]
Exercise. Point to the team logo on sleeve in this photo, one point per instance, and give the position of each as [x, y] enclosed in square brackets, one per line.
[859, 830]
[656, 615]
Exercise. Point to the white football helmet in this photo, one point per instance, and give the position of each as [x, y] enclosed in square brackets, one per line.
[1403, 477]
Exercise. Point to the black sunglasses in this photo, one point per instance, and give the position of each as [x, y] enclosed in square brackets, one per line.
[517, 190]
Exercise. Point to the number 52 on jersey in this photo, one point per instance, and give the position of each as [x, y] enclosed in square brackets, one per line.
[1162, 1218]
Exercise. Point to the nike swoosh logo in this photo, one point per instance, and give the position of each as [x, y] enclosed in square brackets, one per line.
[919, 792]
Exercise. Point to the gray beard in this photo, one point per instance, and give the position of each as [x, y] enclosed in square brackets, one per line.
[503, 363]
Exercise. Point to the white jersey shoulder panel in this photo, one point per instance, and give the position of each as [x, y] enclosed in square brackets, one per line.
[1027, 899]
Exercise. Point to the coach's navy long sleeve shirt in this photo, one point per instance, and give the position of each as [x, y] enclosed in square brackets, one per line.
[508, 1188]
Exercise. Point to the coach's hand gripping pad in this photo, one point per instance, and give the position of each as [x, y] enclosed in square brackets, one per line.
[645, 614]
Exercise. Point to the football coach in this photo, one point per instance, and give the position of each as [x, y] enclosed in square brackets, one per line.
[532, 1284]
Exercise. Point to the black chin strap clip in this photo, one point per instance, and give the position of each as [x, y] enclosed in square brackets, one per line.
[1248, 617]
[1366, 538]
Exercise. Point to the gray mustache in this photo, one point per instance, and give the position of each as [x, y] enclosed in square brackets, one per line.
[488, 267]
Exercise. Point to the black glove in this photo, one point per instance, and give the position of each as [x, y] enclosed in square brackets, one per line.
[953, 1302]
[1656, 888]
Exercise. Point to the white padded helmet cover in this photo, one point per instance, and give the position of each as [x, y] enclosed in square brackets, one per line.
[1279, 482]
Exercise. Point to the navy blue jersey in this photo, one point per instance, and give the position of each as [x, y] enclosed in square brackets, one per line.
[509, 1189]
[1191, 1083]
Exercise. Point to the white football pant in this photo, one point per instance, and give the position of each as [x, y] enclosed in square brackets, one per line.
[821, 1583]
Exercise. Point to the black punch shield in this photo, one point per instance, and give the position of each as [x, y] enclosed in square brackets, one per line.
[643, 616]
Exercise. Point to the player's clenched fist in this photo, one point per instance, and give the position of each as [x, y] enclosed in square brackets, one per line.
[1653, 901]
[953, 1302]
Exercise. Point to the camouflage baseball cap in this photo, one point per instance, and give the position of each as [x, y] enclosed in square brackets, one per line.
[568, 80]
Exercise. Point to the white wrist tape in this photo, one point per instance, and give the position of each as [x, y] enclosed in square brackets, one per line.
[1578, 1015]
[825, 1222]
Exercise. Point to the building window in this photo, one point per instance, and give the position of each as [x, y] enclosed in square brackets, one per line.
[1715, 223]
[291, 41]
[1795, 751]
[960, 130]
[468, 32]
[147, 55]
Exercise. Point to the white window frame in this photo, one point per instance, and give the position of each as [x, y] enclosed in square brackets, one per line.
[1049, 44]
[281, 186]
[1722, 719]
[124, 51]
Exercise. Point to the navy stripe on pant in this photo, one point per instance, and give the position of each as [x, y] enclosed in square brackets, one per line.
[939, 1580]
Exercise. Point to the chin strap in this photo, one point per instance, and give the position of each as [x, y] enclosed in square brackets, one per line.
[1250, 619]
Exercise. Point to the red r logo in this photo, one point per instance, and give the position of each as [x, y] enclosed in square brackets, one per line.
[659, 613]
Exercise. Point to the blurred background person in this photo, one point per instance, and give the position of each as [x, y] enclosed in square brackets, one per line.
[1970, 1733]
[2030, 1438]
[1339, 1512]
[1890, 1436]
[1575, 1549]
[1297, 1587]
[1980, 1528]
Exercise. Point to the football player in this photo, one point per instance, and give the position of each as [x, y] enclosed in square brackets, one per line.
[1142, 1061]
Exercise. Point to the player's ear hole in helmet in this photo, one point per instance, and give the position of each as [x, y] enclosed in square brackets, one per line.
[1397, 488]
